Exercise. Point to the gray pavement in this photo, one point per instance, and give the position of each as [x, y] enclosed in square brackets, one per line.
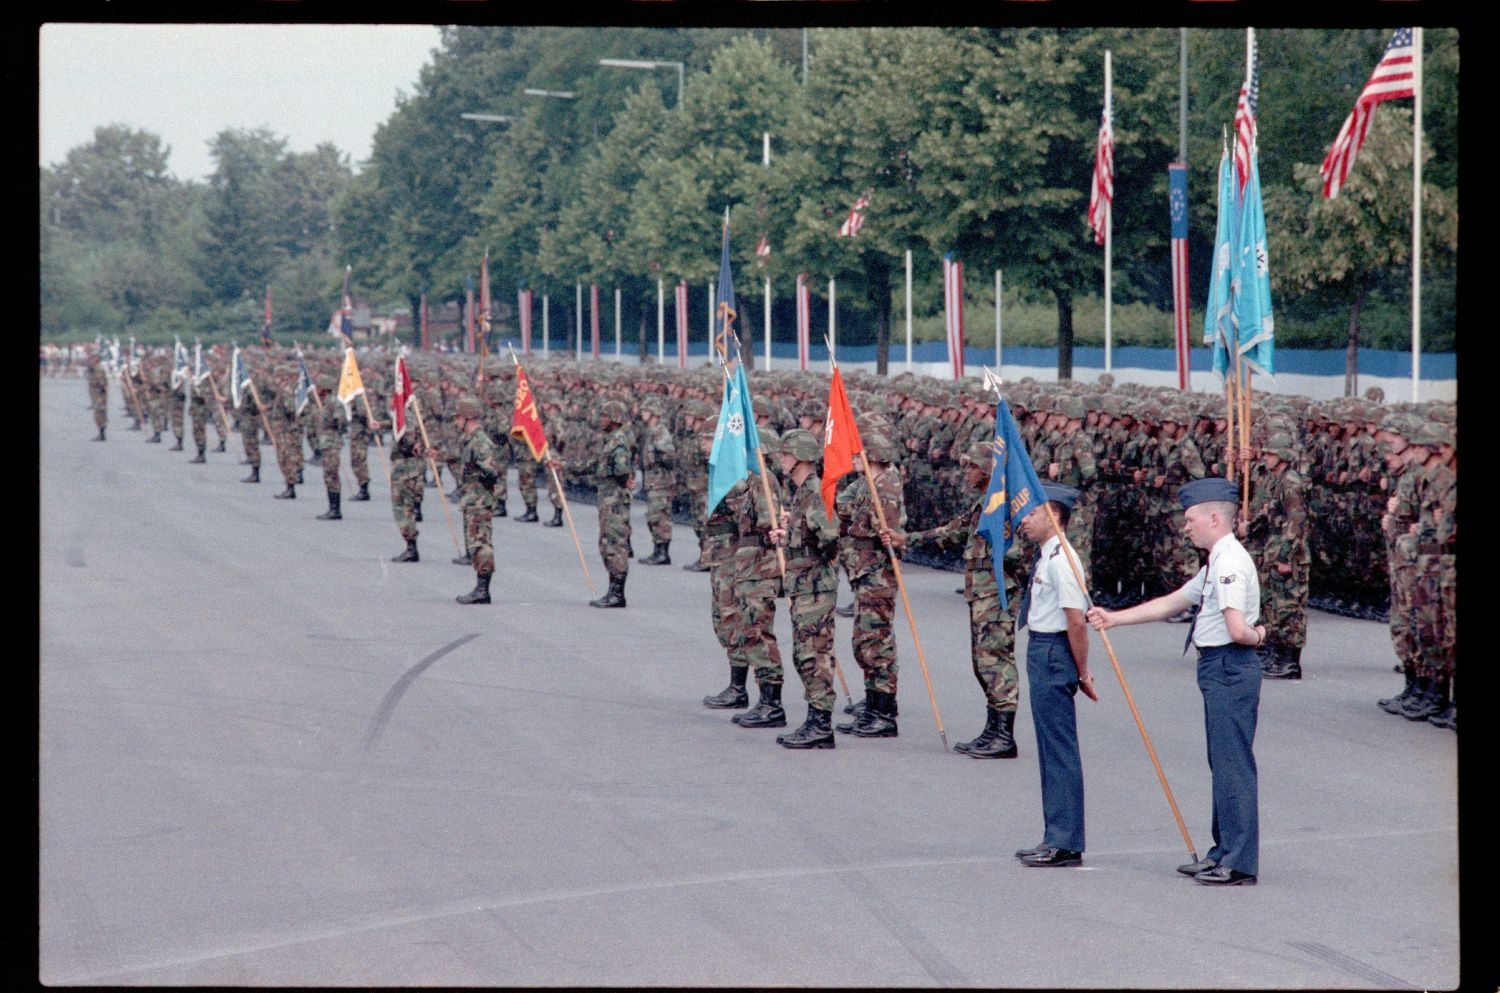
[268, 756]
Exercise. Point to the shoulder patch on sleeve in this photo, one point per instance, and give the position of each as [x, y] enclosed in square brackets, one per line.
[1226, 580]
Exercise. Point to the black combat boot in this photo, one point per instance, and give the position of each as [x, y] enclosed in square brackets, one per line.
[177, 447]
[155, 438]
[464, 559]
[815, 732]
[845, 611]
[417, 512]
[317, 457]
[767, 713]
[363, 494]
[733, 696]
[199, 458]
[1003, 744]
[1448, 718]
[858, 709]
[290, 493]
[556, 521]
[333, 513]
[101, 435]
[1286, 663]
[480, 593]
[991, 724]
[254, 476]
[1393, 704]
[616, 595]
[221, 446]
[658, 555]
[696, 565]
[880, 717]
[1432, 703]
[500, 509]
[410, 555]
[529, 517]
[300, 480]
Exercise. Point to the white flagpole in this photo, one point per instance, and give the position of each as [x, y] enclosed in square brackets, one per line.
[544, 325]
[1109, 219]
[661, 324]
[997, 320]
[579, 322]
[713, 291]
[617, 322]
[1416, 217]
[833, 334]
[908, 310]
[768, 307]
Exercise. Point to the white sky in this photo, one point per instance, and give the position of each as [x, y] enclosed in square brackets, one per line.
[187, 82]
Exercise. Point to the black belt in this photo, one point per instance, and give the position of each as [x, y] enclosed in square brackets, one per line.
[752, 539]
[865, 543]
[720, 529]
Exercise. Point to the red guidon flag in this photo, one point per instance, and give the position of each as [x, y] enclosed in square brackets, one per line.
[401, 394]
[840, 440]
[526, 422]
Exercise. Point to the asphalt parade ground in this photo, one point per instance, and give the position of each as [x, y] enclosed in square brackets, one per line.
[270, 756]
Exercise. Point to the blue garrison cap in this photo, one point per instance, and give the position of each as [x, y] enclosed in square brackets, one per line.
[1211, 489]
[1058, 493]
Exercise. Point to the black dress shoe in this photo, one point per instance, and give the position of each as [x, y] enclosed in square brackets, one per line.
[1050, 857]
[1026, 852]
[1193, 868]
[1222, 875]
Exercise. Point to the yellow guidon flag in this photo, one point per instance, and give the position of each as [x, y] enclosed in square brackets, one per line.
[525, 421]
[350, 383]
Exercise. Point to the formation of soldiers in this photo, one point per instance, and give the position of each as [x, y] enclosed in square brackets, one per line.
[1352, 502]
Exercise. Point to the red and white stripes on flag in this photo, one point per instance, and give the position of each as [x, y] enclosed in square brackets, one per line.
[1394, 77]
[1102, 190]
[763, 247]
[953, 312]
[1244, 113]
[594, 317]
[523, 307]
[804, 321]
[682, 325]
[856, 218]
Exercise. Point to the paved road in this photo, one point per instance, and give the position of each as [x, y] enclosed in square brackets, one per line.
[268, 756]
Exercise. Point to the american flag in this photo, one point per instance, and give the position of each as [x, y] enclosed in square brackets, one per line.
[1392, 79]
[1177, 184]
[1244, 116]
[856, 219]
[1102, 191]
[953, 311]
[763, 247]
[804, 321]
[682, 325]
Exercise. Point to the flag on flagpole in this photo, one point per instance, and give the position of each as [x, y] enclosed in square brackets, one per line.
[239, 376]
[346, 307]
[1250, 288]
[725, 340]
[523, 306]
[1102, 190]
[265, 327]
[304, 383]
[1177, 185]
[953, 312]
[682, 324]
[402, 392]
[856, 218]
[1392, 79]
[179, 363]
[1217, 330]
[804, 321]
[526, 420]
[1244, 114]
[468, 313]
[840, 440]
[1014, 490]
[763, 247]
[735, 438]
[350, 383]
[199, 372]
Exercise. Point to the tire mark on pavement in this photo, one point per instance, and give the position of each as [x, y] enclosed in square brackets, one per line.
[1351, 965]
[393, 696]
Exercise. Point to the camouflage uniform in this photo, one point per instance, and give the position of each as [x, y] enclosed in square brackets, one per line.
[756, 576]
[407, 471]
[1277, 536]
[613, 472]
[288, 433]
[812, 590]
[872, 574]
[658, 464]
[719, 533]
[359, 446]
[98, 383]
[177, 407]
[249, 418]
[478, 465]
[331, 428]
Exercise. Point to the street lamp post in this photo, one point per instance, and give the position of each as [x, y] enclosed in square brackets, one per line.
[649, 64]
[560, 94]
[494, 118]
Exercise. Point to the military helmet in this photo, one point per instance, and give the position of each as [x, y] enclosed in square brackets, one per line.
[1432, 434]
[880, 448]
[612, 410]
[1281, 445]
[801, 445]
[653, 404]
[1071, 406]
[980, 453]
[468, 407]
[770, 441]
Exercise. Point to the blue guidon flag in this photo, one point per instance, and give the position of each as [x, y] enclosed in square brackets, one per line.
[1014, 491]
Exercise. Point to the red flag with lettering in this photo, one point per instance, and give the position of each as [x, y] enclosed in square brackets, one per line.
[840, 440]
[401, 394]
[525, 421]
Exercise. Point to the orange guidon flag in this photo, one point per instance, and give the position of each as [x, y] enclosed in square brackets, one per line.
[526, 422]
[840, 440]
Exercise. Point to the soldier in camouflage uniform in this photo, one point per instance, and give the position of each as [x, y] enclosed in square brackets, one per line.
[330, 420]
[408, 468]
[359, 447]
[177, 406]
[992, 629]
[810, 537]
[614, 472]
[1277, 539]
[248, 416]
[1436, 481]
[98, 383]
[872, 575]
[719, 532]
[498, 416]
[155, 376]
[1443, 538]
[693, 469]
[284, 415]
[757, 584]
[658, 465]
[478, 465]
[1400, 524]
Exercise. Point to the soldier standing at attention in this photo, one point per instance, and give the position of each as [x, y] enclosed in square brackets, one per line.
[288, 431]
[330, 440]
[658, 466]
[811, 541]
[1278, 540]
[757, 583]
[177, 405]
[359, 449]
[614, 472]
[408, 469]
[98, 382]
[248, 416]
[478, 465]
[1226, 593]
